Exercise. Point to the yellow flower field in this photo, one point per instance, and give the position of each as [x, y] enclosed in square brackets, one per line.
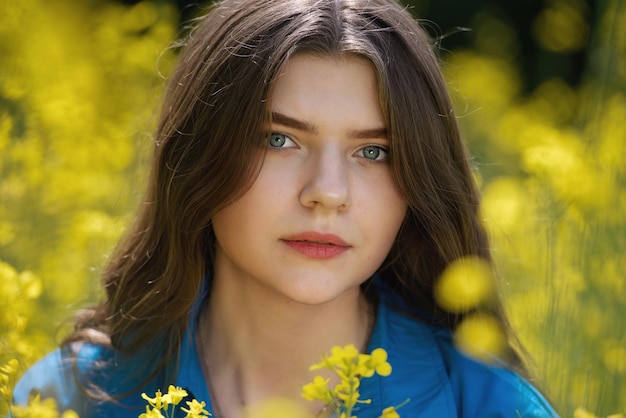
[79, 88]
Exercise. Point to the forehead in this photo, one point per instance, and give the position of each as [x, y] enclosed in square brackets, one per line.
[310, 66]
[333, 87]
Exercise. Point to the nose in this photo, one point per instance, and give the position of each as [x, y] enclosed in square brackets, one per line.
[327, 184]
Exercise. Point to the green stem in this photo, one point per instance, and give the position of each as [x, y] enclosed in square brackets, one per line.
[350, 403]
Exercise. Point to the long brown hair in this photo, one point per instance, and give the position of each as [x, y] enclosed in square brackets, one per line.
[209, 147]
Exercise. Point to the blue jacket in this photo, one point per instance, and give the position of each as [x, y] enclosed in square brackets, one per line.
[427, 369]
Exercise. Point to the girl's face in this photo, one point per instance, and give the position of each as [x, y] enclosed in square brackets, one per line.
[324, 211]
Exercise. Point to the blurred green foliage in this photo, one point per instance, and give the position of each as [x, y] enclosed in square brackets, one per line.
[79, 86]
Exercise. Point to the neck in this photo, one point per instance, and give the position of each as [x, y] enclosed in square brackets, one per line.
[258, 346]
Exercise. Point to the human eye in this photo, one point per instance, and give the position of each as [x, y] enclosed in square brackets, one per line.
[373, 153]
[278, 140]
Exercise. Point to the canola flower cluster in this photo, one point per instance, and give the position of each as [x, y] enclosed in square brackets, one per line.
[341, 401]
[350, 366]
[164, 406]
[77, 98]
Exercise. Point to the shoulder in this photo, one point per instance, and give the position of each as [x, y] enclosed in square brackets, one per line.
[56, 376]
[483, 389]
[68, 374]
[476, 389]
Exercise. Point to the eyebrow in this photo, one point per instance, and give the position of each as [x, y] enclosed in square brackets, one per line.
[293, 123]
[311, 128]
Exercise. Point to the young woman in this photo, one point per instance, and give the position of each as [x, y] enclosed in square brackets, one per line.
[309, 186]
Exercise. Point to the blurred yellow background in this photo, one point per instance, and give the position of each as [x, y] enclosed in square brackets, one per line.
[79, 89]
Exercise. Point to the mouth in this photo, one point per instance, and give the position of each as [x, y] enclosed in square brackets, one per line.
[317, 238]
[317, 245]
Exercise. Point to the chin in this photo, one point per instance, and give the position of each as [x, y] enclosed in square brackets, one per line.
[316, 295]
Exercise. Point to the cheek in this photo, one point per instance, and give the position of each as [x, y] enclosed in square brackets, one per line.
[384, 213]
[394, 215]
[232, 220]
[395, 209]
[395, 203]
[247, 216]
[386, 201]
[222, 225]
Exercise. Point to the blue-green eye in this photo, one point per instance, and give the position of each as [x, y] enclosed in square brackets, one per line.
[373, 152]
[278, 140]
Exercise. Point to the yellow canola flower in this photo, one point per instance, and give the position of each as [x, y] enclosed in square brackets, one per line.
[174, 395]
[196, 409]
[8, 373]
[318, 390]
[157, 402]
[347, 392]
[10, 368]
[481, 336]
[505, 209]
[561, 27]
[339, 357]
[151, 413]
[615, 355]
[583, 413]
[38, 408]
[30, 284]
[464, 285]
[480, 78]
[8, 274]
[277, 408]
[350, 366]
[378, 362]
[349, 362]
[390, 413]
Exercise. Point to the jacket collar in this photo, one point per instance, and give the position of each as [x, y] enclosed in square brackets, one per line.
[418, 370]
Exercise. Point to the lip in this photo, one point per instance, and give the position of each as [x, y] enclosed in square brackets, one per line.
[316, 244]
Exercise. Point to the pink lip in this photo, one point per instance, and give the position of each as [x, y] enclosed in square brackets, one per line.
[317, 245]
